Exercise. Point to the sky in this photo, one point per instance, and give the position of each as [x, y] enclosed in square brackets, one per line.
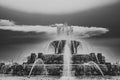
[23, 13]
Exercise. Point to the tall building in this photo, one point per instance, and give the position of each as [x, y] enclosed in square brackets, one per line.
[93, 57]
[40, 55]
[31, 58]
[99, 56]
[103, 60]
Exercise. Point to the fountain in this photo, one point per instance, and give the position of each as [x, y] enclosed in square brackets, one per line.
[67, 61]
[67, 55]
[91, 63]
[41, 63]
[66, 46]
[58, 46]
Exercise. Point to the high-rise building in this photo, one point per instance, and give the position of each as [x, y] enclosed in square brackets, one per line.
[40, 55]
[99, 56]
[31, 58]
[103, 60]
[109, 67]
[93, 57]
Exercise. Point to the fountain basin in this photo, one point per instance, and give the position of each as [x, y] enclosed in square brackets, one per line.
[67, 78]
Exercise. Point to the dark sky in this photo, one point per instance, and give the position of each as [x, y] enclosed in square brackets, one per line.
[107, 17]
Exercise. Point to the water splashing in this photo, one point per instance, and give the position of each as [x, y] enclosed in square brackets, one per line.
[35, 63]
[91, 63]
[67, 61]
[65, 33]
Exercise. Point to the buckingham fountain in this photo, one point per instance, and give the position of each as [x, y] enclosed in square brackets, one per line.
[66, 58]
[66, 46]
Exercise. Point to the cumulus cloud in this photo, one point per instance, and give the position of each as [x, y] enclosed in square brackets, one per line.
[85, 32]
[6, 22]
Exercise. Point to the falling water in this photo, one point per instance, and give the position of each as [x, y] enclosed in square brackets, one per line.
[35, 63]
[47, 48]
[95, 65]
[67, 61]
[67, 58]
[65, 33]
[58, 46]
[85, 47]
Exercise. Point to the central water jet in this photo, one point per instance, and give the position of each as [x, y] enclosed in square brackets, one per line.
[67, 62]
[66, 32]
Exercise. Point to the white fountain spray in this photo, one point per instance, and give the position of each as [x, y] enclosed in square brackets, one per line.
[67, 53]
[65, 32]
[35, 63]
[67, 61]
[91, 63]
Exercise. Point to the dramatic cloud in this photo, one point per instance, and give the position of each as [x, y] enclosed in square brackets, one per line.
[6, 23]
[10, 25]
[81, 31]
[55, 6]
[85, 32]
[26, 28]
